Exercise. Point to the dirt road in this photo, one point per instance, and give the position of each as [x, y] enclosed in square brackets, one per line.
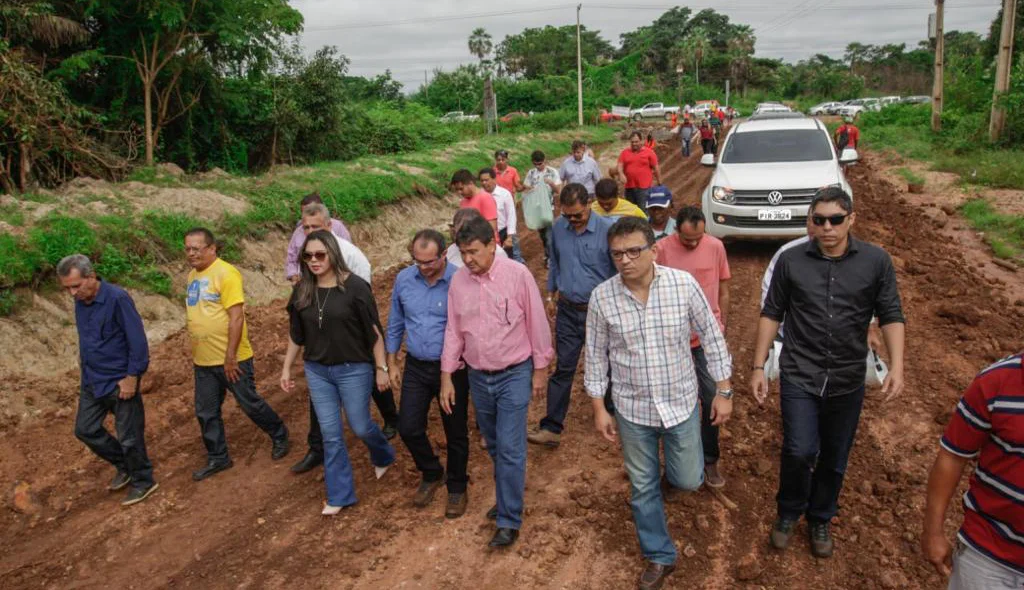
[258, 526]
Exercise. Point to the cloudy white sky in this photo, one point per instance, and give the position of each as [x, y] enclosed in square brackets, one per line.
[410, 37]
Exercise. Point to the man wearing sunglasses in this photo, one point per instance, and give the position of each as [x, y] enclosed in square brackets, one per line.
[419, 315]
[579, 262]
[638, 325]
[827, 291]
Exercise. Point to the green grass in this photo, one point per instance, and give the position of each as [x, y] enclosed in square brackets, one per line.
[1004, 233]
[128, 247]
[910, 176]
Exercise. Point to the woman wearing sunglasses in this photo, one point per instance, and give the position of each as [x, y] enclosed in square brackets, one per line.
[333, 319]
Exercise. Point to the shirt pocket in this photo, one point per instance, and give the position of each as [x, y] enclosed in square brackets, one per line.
[505, 310]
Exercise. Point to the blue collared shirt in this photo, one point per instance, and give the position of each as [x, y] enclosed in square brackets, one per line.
[111, 340]
[579, 262]
[585, 172]
[421, 310]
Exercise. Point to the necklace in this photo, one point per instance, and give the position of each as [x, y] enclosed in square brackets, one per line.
[320, 308]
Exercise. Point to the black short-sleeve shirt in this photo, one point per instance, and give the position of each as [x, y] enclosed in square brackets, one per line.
[346, 334]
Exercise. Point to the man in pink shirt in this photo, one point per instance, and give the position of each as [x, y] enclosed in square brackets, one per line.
[704, 257]
[506, 176]
[497, 325]
[463, 183]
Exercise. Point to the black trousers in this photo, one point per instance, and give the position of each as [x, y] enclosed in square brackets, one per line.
[385, 401]
[421, 385]
[127, 452]
[211, 386]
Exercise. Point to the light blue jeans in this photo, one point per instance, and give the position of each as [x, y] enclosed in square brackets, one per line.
[684, 468]
[974, 571]
[334, 388]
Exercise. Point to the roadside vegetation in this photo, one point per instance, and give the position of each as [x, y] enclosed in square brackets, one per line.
[1004, 233]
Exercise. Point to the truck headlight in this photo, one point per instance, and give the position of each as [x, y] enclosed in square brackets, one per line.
[722, 194]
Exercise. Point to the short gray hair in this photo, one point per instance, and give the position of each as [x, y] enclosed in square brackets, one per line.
[75, 261]
[319, 209]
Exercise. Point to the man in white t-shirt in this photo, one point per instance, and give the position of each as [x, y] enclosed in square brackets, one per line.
[506, 213]
[316, 216]
[452, 254]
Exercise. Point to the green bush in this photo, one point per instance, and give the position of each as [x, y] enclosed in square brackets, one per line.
[17, 263]
[58, 236]
[169, 228]
[8, 299]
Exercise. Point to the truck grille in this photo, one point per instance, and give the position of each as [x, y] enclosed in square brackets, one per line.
[735, 221]
[799, 196]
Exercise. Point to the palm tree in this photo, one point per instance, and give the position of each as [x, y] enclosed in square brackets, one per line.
[740, 51]
[695, 48]
[480, 44]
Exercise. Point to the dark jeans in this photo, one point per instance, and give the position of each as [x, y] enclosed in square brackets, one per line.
[708, 391]
[817, 434]
[570, 334]
[544, 234]
[707, 146]
[127, 452]
[686, 146]
[385, 401]
[638, 196]
[211, 385]
[421, 385]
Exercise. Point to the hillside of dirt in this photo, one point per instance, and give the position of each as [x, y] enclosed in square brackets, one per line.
[258, 526]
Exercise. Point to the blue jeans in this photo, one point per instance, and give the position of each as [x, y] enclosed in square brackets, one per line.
[817, 435]
[638, 196]
[686, 146]
[501, 401]
[684, 468]
[708, 390]
[333, 388]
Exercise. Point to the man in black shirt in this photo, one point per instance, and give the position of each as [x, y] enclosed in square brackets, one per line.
[827, 292]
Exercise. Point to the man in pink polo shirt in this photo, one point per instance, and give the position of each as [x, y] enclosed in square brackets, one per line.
[498, 326]
[506, 174]
[704, 257]
[463, 183]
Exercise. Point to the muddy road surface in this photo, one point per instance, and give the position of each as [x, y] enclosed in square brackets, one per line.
[259, 526]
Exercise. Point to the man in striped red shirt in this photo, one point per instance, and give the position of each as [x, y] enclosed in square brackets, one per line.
[988, 424]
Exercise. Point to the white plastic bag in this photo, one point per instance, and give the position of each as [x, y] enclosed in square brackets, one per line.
[771, 366]
[877, 369]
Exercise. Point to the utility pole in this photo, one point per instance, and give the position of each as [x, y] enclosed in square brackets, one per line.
[727, 92]
[940, 50]
[998, 119]
[426, 84]
[579, 70]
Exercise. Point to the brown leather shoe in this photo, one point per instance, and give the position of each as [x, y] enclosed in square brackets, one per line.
[539, 436]
[456, 505]
[425, 493]
[654, 576]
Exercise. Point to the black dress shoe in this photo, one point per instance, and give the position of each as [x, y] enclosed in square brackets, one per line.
[280, 448]
[210, 469]
[492, 514]
[121, 479]
[504, 537]
[390, 431]
[310, 461]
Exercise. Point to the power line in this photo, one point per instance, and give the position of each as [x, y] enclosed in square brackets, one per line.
[434, 19]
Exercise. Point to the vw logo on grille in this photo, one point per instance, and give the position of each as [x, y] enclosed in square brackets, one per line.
[774, 197]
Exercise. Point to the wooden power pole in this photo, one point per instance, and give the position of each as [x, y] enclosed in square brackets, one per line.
[579, 70]
[998, 119]
[940, 58]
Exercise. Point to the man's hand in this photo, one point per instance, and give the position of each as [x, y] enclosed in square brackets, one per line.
[892, 386]
[605, 424]
[395, 375]
[551, 306]
[128, 386]
[286, 382]
[875, 338]
[759, 384]
[508, 242]
[383, 382]
[937, 550]
[447, 396]
[721, 410]
[231, 370]
[540, 382]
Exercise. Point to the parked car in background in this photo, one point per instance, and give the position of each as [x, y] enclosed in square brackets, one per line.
[888, 100]
[770, 169]
[514, 115]
[920, 99]
[771, 107]
[851, 108]
[616, 114]
[653, 110]
[458, 116]
[824, 108]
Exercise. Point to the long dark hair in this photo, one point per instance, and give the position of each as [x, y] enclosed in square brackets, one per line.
[307, 281]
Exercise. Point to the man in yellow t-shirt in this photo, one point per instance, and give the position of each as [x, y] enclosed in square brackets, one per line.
[608, 203]
[221, 353]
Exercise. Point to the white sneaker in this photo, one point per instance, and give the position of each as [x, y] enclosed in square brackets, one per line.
[380, 471]
[330, 510]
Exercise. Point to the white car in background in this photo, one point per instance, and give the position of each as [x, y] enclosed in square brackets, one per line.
[851, 109]
[888, 100]
[825, 108]
[768, 173]
[771, 107]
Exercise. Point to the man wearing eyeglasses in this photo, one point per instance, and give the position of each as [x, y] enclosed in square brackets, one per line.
[419, 314]
[827, 291]
[638, 325]
[579, 262]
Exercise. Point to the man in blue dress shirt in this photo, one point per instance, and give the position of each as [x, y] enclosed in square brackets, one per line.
[113, 355]
[419, 314]
[579, 262]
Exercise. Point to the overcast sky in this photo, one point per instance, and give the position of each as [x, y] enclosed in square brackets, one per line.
[412, 36]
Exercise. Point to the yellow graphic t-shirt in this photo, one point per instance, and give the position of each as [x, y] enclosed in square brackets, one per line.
[622, 209]
[210, 293]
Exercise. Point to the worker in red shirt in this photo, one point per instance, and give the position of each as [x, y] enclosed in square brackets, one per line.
[507, 176]
[708, 143]
[638, 166]
[847, 135]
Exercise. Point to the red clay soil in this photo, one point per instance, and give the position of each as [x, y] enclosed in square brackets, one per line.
[259, 526]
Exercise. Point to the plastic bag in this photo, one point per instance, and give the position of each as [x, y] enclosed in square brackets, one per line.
[771, 366]
[538, 206]
[876, 369]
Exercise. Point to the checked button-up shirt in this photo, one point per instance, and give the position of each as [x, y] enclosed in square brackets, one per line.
[648, 347]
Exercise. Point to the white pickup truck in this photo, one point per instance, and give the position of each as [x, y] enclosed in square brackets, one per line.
[653, 110]
[456, 116]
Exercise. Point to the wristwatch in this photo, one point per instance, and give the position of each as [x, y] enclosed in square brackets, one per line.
[382, 368]
[726, 393]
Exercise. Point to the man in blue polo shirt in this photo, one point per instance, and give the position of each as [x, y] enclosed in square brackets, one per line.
[579, 262]
[419, 314]
[113, 354]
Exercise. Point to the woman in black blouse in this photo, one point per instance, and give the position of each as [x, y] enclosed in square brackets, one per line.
[333, 318]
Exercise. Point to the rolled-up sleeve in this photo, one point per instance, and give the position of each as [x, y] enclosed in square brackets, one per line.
[453, 340]
[538, 329]
[777, 301]
[888, 308]
[135, 334]
[595, 372]
[702, 321]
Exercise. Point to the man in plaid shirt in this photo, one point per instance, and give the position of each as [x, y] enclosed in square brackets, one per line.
[639, 324]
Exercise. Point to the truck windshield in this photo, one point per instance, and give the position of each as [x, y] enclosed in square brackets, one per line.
[790, 145]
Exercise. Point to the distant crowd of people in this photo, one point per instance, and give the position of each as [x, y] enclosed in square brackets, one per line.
[634, 281]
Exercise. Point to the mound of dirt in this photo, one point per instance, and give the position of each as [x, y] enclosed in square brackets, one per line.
[198, 203]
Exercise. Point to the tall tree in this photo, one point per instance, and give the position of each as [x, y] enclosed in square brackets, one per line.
[550, 51]
[741, 56]
[481, 45]
[695, 48]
